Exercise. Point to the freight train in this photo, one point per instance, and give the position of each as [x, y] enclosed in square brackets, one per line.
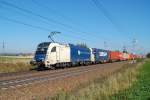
[53, 55]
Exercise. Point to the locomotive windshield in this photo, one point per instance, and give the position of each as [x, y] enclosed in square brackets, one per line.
[42, 48]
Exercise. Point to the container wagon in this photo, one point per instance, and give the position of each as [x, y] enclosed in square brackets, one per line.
[115, 56]
[101, 55]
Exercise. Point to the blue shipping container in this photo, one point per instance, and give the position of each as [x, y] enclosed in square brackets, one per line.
[101, 55]
[79, 54]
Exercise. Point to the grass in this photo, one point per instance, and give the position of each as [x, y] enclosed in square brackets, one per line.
[14, 59]
[14, 64]
[140, 90]
[104, 89]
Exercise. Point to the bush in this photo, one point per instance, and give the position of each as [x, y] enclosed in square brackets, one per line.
[148, 55]
[139, 60]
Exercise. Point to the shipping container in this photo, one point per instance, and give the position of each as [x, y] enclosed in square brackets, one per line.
[101, 55]
[79, 54]
[131, 56]
[116, 56]
[125, 56]
[121, 54]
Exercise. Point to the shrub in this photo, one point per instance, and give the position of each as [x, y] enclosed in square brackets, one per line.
[148, 55]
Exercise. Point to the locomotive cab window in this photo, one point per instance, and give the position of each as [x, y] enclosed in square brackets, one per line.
[53, 49]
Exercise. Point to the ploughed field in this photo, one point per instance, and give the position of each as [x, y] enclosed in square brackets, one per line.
[41, 84]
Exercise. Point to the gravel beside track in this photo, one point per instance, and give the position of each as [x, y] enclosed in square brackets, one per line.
[27, 78]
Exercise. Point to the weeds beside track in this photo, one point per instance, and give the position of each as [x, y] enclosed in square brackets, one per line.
[104, 89]
[141, 89]
[14, 64]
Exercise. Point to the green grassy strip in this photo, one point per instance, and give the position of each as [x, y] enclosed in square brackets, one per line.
[140, 90]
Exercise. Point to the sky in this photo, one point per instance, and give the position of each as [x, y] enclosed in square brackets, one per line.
[105, 24]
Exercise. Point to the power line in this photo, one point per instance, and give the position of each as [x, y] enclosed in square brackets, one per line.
[28, 17]
[32, 13]
[102, 9]
[56, 12]
[36, 14]
[52, 10]
[3, 45]
[29, 12]
[24, 15]
[3, 48]
[105, 45]
[105, 12]
[35, 26]
[19, 22]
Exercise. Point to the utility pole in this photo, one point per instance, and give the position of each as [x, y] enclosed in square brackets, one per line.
[3, 47]
[105, 45]
[3, 52]
[125, 49]
[52, 34]
[134, 44]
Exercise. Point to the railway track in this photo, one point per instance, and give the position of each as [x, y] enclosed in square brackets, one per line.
[25, 79]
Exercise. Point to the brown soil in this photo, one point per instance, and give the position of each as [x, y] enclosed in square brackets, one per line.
[43, 90]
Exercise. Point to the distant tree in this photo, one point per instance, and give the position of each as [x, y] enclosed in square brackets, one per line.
[148, 55]
[125, 51]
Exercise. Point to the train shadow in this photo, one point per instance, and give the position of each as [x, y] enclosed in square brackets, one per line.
[39, 69]
[45, 68]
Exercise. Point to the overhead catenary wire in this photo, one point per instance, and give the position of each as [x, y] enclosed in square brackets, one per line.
[42, 17]
[45, 22]
[51, 10]
[57, 13]
[105, 12]
[37, 27]
[111, 19]
[38, 15]
[24, 15]
[26, 24]
[32, 13]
